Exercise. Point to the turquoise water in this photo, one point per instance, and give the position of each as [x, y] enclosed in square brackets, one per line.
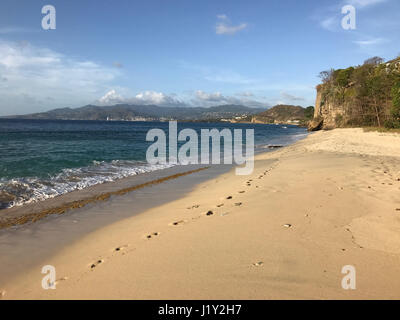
[41, 159]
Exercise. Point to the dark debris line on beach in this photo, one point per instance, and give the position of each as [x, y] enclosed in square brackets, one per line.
[33, 217]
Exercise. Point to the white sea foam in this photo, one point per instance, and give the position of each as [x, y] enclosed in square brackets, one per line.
[29, 190]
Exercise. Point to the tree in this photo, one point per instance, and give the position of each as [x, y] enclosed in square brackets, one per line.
[327, 75]
[309, 113]
[376, 95]
[395, 111]
[343, 76]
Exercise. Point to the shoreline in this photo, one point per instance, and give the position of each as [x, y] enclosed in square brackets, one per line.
[19, 217]
[284, 232]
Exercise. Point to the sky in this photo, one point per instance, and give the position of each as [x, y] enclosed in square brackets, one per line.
[258, 53]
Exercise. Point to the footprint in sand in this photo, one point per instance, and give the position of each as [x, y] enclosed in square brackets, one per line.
[98, 262]
[120, 248]
[229, 198]
[220, 205]
[242, 191]
[177, 223]
[61, 279]
[154, 234]
[258, 264]
[193, 207]
[238, 204]
[209, 213]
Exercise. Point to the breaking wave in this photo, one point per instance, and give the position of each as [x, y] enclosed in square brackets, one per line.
[19, 191]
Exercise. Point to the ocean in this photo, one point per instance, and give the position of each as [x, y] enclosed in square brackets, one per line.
[42, 159]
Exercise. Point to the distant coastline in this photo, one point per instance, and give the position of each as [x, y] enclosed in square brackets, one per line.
[280, 114]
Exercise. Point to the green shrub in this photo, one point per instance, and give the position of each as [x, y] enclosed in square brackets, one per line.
[343, 76]
[309, 112]
[392, 124]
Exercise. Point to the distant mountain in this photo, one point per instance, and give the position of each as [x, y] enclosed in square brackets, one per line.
[143, 112]
[283, 114]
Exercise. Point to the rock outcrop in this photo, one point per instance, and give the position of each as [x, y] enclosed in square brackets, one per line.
[328, 114]
[315, 124]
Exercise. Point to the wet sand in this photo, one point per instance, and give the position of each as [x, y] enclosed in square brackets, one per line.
[60, 221]
[284, 232]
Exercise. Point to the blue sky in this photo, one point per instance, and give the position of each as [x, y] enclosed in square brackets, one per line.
[183, 52]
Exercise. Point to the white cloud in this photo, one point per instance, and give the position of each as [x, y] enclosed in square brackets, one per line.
[142, 98]
[152, 97]
[330, 23]
[217, 98]
[224, 26]
[363, 3]
[110, 98]
[225, 29]
[222, 16]
[290, 97]
[370, 42]
[35, 74]
[9, 30]
[198, 98]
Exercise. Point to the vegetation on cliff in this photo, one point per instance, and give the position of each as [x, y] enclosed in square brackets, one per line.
[366, 95]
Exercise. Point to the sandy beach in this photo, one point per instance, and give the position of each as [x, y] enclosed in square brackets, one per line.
[284, 232]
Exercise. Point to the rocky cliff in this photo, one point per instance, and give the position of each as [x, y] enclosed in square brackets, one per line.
[366, 95]
[328, 114]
